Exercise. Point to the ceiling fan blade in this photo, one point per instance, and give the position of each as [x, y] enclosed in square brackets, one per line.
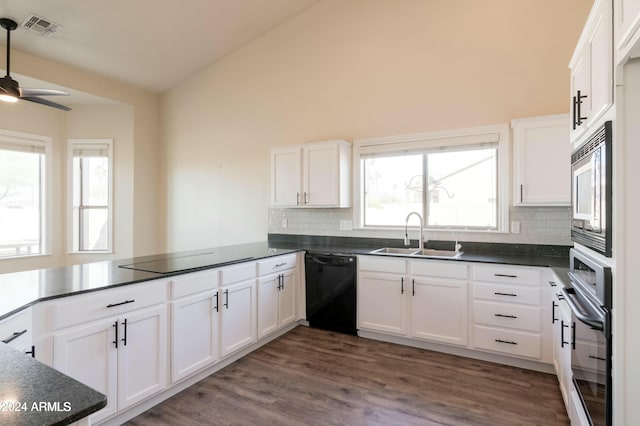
[45, 102]
[41, 92]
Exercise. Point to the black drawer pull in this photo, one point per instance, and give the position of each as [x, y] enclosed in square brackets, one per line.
[505, 316]
[32, 352]
[111, 305]
[597, 357]
[216, 307]
[277, 265]
[509, 342]
[505, 294]
[552, 284]
[14, 336]
[506, 275]
[124, 339]
[115, 325]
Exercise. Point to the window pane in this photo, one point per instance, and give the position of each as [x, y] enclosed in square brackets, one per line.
[95, 229]
[463, 188]
[95, 181]
[392, 189]
[20, 208]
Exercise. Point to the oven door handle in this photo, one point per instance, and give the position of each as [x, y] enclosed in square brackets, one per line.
[591, 320]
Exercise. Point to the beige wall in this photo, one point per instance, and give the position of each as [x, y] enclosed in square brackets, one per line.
[353, 69]
[132, 121]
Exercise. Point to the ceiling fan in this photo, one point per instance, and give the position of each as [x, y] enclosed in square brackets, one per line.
[10, 90]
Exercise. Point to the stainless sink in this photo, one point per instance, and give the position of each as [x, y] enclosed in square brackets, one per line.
[437, 253]
[418, 252]
[394, 250]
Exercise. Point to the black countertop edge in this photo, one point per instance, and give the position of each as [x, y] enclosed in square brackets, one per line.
[26, 381]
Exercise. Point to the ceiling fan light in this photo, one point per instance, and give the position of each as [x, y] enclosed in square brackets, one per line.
[8, 98]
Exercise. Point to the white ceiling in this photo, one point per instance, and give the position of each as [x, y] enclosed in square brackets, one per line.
[153, 44]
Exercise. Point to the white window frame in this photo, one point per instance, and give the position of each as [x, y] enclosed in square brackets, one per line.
[29, 139]
[74, 143]
[497, 134]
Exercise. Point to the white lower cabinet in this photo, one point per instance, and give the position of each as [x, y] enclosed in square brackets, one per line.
[238, 316]
[382, 304]
[507, 311]
[195, 312]
[17, 332]
[276, 302]
[124, 356]
[401, 298]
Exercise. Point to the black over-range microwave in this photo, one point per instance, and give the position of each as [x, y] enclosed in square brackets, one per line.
[591, 194]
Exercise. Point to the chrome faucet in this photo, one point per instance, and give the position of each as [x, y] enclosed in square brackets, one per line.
[406, 233]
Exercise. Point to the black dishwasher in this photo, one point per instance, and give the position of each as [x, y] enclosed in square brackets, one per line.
[331, 291]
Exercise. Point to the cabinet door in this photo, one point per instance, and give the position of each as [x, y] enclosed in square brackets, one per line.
[565, 338]
[194, 331]
[238, 316]
[601, 62]
[88, 354]
[287, 298]
[541, 155]
[382, 303]
[439, 310]
[268, 289]
[142, 355]
[580, 82]
[286, 177]
[321, 175]
[626, 26]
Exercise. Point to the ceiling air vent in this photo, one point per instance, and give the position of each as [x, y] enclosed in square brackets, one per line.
[40, 25]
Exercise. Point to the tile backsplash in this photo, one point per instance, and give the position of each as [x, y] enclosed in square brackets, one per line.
[538, 225]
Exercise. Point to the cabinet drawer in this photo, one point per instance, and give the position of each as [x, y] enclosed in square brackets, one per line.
[507, 274]
[276, 264]
[508, 315]
[99, 304]
[196, 282]
[382, 264]
[507, 293]
[432, 268]
[507, 341]
[237, 273]
[16, 330]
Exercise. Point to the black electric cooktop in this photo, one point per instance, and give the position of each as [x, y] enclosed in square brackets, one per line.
[170, 265]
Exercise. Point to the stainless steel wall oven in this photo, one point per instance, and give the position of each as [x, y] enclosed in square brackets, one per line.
[591, 194]
[589, 297]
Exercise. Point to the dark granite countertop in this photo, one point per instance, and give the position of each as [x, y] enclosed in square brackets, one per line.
[32, 393]
[18, 290]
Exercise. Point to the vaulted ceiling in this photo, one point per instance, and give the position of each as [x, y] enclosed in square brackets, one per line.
[153, 44]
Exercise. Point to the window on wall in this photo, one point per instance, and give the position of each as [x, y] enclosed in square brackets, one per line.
[91, 171]
[22, 195]
[454, 180]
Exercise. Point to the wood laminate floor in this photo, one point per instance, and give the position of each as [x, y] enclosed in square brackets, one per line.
[317, 377]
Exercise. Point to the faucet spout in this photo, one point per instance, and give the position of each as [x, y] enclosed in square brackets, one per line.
[421, 239]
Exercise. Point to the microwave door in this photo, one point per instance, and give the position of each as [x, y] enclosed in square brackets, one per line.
[583, 202]
[596, 162]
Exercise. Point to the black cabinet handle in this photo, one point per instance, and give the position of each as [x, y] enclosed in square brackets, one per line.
[562, 342]
[505, 316]
[216, 307]
[505, 294]
[597, 357]
[402, 285]
[413, 287]
[575, 112]
[14, 336]
[282, 282]
[580, 118]
[506, 275]
[111, 305]
[226, 299]
[552, 284]
[297, 198]
[124, 340]
[573, 336]
[115, 342]
[521, 191]
[306, 198]
[509, 342]
[554, 305]
[32, 352]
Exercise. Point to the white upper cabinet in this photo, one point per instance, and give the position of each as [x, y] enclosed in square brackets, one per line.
[626, 27]
[316, 174]
[592, 70]
[541, 153]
